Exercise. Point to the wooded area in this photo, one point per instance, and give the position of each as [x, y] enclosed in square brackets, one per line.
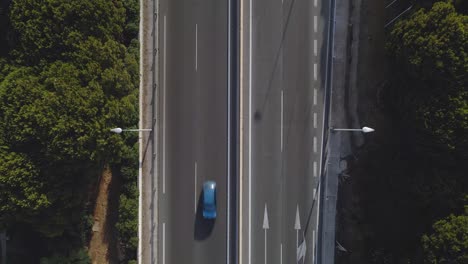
[68, 73]
[429, 95]
[412, 183]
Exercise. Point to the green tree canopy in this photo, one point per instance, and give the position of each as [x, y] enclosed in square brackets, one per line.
[127, 225]
[449, 242]
[67, 79]
[132, 8]
[430, 53]
[433, 45]
[22, 189]
[46, 29]
[74, 257]
[58, 119]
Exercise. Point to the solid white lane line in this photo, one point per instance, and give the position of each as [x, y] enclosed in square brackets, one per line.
[282, 120]
[315, 144]
[297, 244]
[313, 246]
[317, 207]
[266, 246]
[315, 24]
[250, 133]
[164, 243]
[196, 47]
[164, 112]
[315, 47]
[195, 192]
[315, 120]
[315, 71]
[281, 253]
[315, 169]
[315, 96]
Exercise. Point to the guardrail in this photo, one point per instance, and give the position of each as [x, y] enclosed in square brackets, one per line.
[326, 122]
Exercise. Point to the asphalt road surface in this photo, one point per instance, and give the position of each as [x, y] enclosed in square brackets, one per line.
[193, 72]
[286, 61]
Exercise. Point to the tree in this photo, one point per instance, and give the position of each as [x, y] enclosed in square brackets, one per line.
[449, 242]
[51, 113]
[422, 162]
[132, 8]
[22, 189]
[127, 225]
[58, 118]
[68, 79]
[432, 45]
[75, 257]
[47, 29]
[430, 55]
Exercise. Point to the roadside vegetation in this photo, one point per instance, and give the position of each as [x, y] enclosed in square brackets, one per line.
[68, 73]
[429, 96]
[412, 182]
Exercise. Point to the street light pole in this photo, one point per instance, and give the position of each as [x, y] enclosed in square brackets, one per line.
[364, 129]
[119, 130]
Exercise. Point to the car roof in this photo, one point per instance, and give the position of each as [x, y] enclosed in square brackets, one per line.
[209, 188]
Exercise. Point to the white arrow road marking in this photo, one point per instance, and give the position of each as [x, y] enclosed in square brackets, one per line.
[266, 226]
[297, 225]
[301, 251]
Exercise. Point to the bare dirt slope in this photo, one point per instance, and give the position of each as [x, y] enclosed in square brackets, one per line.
[102, 247]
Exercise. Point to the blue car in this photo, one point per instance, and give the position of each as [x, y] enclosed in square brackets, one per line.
[209, 200]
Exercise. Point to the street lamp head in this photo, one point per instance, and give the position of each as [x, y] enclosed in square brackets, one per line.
[117, 130]
[367, 129]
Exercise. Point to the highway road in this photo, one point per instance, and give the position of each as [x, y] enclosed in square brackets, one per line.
[283, 55]
[193, 129]
[284, 50]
